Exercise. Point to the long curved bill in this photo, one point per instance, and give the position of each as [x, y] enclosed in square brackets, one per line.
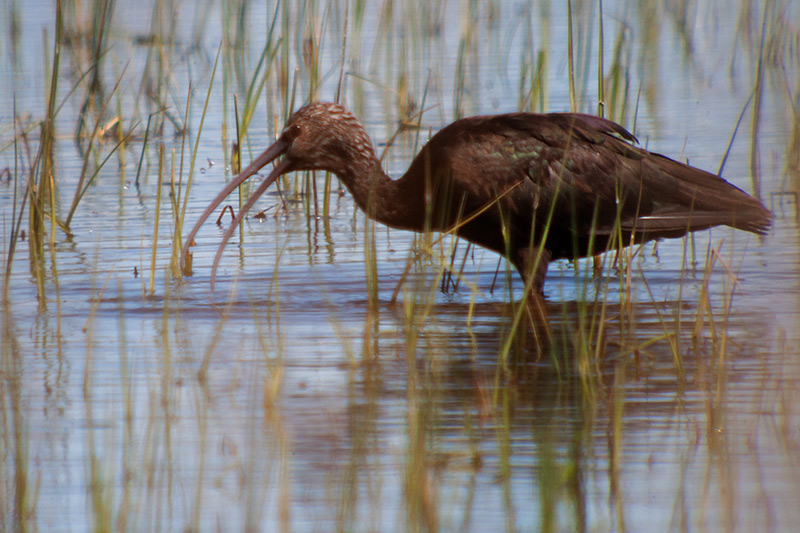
[277, 149]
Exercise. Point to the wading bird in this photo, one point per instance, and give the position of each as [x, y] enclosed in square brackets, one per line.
[531, 187]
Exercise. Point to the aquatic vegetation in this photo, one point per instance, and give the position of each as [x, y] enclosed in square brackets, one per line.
[345, 376]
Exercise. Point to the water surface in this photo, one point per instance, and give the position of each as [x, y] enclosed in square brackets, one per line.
[660, 396]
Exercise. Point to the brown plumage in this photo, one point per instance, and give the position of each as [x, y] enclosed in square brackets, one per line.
[532, 187]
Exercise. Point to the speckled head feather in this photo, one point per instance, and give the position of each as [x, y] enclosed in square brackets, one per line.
[327, 137]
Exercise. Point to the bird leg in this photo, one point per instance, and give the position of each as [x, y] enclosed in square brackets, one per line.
[532, 265]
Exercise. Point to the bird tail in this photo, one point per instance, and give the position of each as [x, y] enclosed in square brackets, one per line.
[698, 200]
[755, 221]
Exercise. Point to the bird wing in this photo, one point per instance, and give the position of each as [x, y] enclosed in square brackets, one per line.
[582, 175]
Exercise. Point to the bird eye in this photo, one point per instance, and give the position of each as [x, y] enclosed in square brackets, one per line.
[292, 132]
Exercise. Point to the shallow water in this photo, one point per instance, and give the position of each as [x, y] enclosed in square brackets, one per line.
[287, 398]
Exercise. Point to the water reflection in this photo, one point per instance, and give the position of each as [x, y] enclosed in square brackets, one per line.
[463, 437]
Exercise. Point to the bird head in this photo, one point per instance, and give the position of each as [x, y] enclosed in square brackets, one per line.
[324, 136]
[319, 136]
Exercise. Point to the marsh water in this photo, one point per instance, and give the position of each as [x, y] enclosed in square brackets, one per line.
[660, 392]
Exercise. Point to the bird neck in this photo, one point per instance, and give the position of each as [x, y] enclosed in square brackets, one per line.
[394, 203]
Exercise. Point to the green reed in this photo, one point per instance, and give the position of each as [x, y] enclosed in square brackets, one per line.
[20, 505]
[89, 43]
[98, 475]
[156, 222]
[533, 83]
[617, 80]
[573, 104]
[758, 95]
[183, 196]
[16, 213]
[600, 73]
[258, 77]
[41, 185]
[83, 182]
